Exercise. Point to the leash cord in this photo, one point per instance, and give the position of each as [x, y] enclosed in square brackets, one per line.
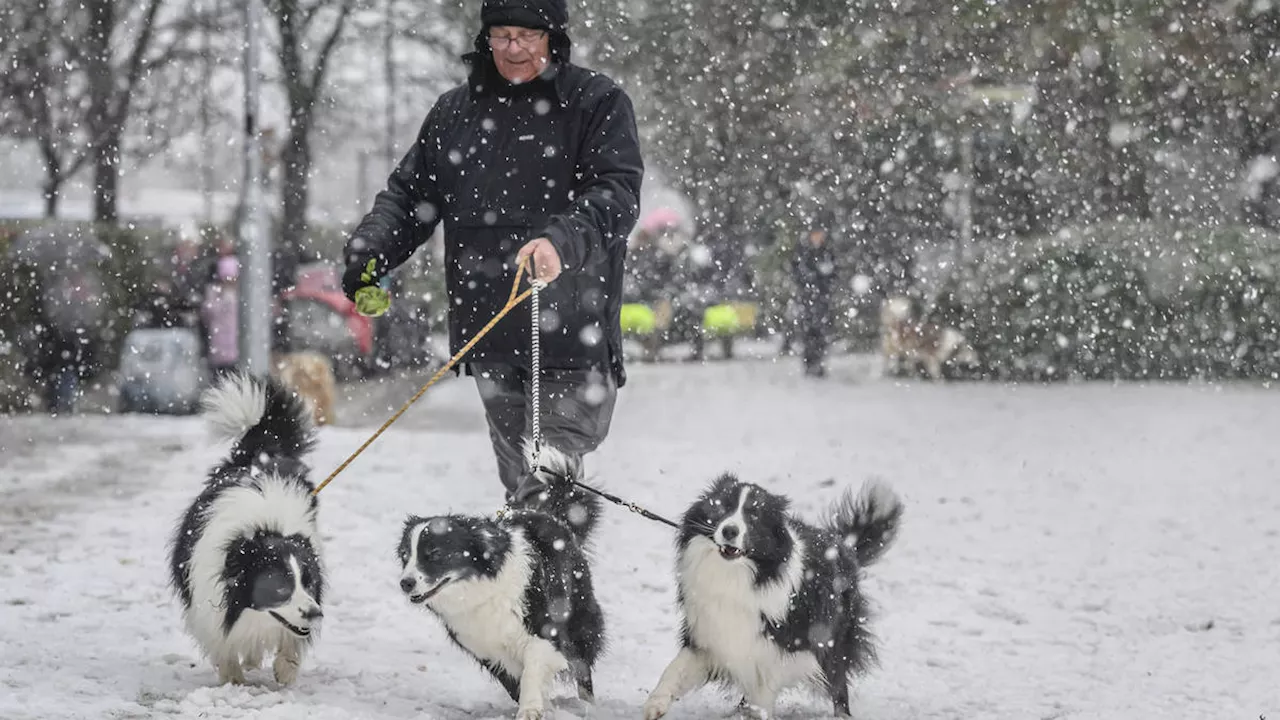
[512, 300]
[628, 505]
[535, 369]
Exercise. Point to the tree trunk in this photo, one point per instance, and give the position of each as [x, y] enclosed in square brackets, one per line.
[296, 172]
[104, 137]
[106, 177]
[53, 178]
[52, 193]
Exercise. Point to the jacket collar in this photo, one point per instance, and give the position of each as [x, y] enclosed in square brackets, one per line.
[484, 78]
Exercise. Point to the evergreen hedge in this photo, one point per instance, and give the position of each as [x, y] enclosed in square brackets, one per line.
[1121, 301]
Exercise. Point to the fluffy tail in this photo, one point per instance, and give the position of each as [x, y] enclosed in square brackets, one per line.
[870, 519]
[561, 494]
[267, 421]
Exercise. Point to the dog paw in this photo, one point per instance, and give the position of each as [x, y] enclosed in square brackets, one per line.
[286, 669]
[530, 713]
[656, 707]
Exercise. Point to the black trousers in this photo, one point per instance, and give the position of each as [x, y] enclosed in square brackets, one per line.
[577, 410]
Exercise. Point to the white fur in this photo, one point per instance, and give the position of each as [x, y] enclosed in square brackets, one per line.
[281, 506]
[551, 458]
[723, 608]
[487, 615]
[735, 520]
[234, 406]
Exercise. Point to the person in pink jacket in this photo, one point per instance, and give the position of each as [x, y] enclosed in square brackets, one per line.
[221, 311]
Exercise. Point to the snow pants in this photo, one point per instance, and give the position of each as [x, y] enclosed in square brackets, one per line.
[577, 410]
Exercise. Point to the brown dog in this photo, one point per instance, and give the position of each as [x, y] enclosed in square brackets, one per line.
[906, 338]
[310, 375]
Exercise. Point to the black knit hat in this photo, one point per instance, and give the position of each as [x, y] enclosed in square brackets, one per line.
[549, 15]
[552, 15]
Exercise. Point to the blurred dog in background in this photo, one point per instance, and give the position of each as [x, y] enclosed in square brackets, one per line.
[909, 339]
[310, 375]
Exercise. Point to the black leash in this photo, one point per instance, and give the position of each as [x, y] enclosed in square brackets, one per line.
[628, 505]
[611, 498]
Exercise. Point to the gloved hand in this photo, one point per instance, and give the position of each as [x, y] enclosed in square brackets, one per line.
[362, 285]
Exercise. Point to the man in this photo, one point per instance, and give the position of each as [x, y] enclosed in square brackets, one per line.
[531, 157]
[814, 270]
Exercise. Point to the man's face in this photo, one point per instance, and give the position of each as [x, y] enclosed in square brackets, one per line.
[520, 53]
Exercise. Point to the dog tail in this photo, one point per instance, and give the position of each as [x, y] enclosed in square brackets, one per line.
[263, 418]
[868, 520]
[563, 494]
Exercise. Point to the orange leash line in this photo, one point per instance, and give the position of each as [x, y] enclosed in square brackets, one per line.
[512, 301]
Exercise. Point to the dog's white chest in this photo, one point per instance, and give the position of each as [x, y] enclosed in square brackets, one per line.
[487, 616]
[725, 611]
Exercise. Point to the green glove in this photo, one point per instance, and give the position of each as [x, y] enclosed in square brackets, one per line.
[361, 283]
[372, 300]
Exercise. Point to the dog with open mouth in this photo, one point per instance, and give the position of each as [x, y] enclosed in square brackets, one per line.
[516, 592]
[770, 602]
[245, 559]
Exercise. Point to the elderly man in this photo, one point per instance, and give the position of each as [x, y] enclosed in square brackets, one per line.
[534, 157]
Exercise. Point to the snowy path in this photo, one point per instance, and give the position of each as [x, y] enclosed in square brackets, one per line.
[1069, 552]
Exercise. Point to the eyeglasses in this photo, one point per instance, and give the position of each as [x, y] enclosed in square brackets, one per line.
[524, 40]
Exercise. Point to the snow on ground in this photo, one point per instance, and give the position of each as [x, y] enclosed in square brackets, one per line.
[1089, 551]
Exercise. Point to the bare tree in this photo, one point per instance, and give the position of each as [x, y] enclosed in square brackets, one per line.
[38, 101]
[301, 26]
[114, 83]
[79, 71]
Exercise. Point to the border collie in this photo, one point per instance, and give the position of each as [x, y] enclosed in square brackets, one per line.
[515, 593]
[245, 559]
[768, 601]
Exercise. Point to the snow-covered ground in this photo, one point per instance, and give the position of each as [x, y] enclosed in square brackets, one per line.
[1089, 551]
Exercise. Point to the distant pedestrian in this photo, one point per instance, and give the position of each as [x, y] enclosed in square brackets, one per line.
[221, 313]
[813, 268]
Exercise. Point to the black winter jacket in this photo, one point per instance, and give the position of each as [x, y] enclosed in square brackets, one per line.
[557, 157]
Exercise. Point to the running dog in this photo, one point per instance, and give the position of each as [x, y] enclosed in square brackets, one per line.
[515, 593]
[769, 601]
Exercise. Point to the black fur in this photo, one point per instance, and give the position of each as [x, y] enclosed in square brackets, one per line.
[828, 614]
[276, 444]
[559, 600]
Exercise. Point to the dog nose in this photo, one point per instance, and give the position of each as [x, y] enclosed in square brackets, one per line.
[730, 532]
[406, 584]
[312, 614]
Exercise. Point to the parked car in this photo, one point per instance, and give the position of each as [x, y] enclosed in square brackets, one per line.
[162, 370]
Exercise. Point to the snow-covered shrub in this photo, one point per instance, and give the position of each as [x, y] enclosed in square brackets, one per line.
[125, 274]
[1121, 301]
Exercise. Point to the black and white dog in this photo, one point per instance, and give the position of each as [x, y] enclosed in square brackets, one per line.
[770, 602]
[245, 559]
[516, 592]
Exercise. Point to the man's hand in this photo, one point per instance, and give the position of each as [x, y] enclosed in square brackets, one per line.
[361, 284]
[546, 261]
